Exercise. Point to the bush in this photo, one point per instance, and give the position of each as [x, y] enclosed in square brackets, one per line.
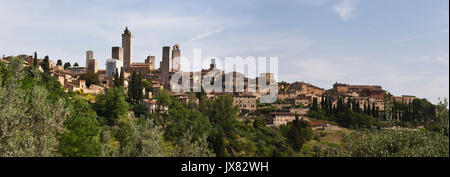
[395, 143]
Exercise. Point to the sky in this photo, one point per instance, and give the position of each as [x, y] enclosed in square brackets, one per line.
[402, 45]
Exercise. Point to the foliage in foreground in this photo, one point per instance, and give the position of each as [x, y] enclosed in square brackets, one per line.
[32, 111]
[37, 118]
[391, 143]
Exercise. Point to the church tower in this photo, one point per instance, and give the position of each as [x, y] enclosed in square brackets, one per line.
[127, 45]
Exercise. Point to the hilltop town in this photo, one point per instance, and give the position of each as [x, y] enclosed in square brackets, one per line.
[294, 99]
[127, 105]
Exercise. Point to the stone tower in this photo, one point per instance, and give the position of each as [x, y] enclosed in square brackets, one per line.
[165, 65]
[92, 65]
[213, 64]
[176, 53]
[127, 45]
[151, 60]
[117, 53]
[89, 56]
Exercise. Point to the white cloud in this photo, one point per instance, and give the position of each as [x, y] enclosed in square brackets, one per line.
[98, 26]
[346, 9]
[313, 2]
[206, 34]
[411, 38]
[419, 36]
[444, 59]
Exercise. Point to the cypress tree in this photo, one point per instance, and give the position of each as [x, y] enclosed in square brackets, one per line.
[67, 65]
[46, 64]
[122, 77]
[59, 63]
[135, 88]
[116, 78]
[373, 110]
[35, 60]
[219, 145]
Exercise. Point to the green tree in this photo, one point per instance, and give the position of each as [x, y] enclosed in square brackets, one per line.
[76, 64]
[116, 79]
[29, 116]
[35, 60]
[82, 135]
[59, 63]
[218, 143]
[147, 86]
[396, 143]
[442, 123]
[111, 105]
[46, 64]
[389, 112]
[179, 118]
[300, 132]
[141, 138]
[224, 114]
[67, 65]
[189, 146]
[135, 89]
[91, 78]
[122, 77]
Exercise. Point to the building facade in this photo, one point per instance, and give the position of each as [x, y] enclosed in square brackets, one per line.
[111, 66]
[281, 118]
[117, 53]
[92, 65]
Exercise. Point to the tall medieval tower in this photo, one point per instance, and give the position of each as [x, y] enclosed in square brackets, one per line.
[127, 45]
[89, 56]
[166, 65]
[176, 53]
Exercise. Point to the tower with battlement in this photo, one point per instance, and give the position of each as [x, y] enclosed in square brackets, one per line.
[89, 56]
[127, 46]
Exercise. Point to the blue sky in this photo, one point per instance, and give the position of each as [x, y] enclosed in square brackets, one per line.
[402, 45]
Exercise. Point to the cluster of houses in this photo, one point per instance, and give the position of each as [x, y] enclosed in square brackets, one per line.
[293, 99]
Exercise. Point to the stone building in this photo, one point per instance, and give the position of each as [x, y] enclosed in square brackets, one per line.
[281, 118]
[76, 70]
[92, 66]
[286, 95]
[151, 60]
[143, 68]
[117, 53]
[404, 99]
[111, 66]
[245, 101]
[305, 88]
[303, 99]
[186, 98]
[372, 91]
[69, 81]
